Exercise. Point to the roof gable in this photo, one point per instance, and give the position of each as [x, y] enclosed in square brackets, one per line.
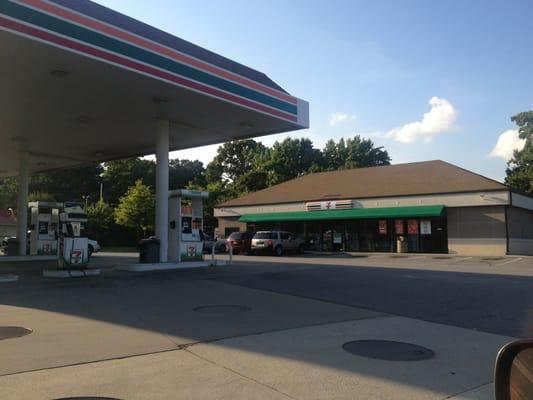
[428, 177]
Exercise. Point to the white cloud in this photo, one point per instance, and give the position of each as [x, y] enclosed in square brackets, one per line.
[339, 117]
[439, 119]
[507, 143]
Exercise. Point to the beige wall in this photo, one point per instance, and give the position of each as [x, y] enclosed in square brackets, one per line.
[232, 222]
[448, 200]
[520, 225]
[477, 231]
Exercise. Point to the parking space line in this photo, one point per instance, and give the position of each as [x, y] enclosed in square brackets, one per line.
[510, 261]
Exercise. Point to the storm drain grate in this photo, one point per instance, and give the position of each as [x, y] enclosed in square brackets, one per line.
[492, 258]
[388, 350]
[221, 309]
[10, 332]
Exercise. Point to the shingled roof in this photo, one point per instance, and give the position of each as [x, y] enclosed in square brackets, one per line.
[419, 178]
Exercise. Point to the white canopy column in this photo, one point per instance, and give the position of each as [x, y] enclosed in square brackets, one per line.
[161, 187]
[22, 201]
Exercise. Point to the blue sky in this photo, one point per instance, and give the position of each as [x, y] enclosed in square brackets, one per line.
[373, 67]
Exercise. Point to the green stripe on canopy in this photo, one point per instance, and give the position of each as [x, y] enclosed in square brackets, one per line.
[355, 213]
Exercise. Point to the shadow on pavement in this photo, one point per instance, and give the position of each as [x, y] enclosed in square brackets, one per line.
[278, 298]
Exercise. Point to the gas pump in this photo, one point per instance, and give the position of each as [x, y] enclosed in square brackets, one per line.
[44, 226]
[73, 244]
[186, 225]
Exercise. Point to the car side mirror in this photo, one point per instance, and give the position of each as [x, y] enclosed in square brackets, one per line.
[513, 373]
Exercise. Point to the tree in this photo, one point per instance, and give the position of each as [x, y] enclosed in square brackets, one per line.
[100, 215]
[334, 155]
[119, 175]
[355, 152]
[520, 167]
[41, 196]
[292, 158]
[68, 184]
[251, 181]
[8, 193]
[136, 208]
[233, 159]
[186, 172]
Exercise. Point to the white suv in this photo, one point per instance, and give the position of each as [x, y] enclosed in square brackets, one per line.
[276, 242]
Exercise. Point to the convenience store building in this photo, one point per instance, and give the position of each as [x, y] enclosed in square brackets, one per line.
[430, 207]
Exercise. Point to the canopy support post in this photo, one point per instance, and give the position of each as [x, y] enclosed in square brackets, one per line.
[22, 202]
[161, 187]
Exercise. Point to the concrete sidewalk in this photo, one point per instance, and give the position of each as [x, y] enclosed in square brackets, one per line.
[300, 363]
[508, 265]
[141, 336]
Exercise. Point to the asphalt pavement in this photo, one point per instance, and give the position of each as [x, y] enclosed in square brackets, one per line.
[264, 327]
[493, 303]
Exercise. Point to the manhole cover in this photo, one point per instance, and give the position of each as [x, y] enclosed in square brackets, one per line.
[9, 332]
[221, 308]
[388, 350]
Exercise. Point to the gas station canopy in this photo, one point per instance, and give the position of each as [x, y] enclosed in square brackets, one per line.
[81, 83]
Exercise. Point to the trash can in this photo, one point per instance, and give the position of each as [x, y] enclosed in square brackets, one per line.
[149, 250]
[12, 246]
[401, 245]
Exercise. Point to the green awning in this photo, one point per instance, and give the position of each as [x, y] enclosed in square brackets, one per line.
[354, 213]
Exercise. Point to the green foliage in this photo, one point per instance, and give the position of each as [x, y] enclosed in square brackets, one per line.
[234, 158]
[520, 167]
[251, 181]
[136, 208]
[41, 196]
[119, 175]
[355, 152]
[246, 166]
[68, 184]
[8, 193]
[100, 216]
[186, 172]
[240, 167]
[291, 158]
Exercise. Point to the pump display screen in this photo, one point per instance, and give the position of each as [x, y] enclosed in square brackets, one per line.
[186, 224]
[43, 228]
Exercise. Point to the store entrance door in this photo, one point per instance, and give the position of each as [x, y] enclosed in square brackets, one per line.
[333, 238]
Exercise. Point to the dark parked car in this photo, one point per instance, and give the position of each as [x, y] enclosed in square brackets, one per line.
[220, 244]
[241, 242]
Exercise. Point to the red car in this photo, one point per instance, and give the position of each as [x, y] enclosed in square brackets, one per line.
[241, 242]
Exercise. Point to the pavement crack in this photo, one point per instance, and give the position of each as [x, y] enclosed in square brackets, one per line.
[186, 346]
[90, 362]
[233, 371]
